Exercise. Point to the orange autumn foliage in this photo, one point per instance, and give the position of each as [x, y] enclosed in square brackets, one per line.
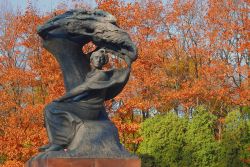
[181, 58]
[27, 82]
[190, 53]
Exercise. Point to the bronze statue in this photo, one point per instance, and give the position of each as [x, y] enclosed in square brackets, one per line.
[77, 122]
[61, 116]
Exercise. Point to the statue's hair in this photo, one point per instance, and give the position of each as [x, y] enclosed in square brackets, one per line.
[102, 52]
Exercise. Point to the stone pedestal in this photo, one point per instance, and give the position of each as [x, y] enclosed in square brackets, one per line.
[80, 162]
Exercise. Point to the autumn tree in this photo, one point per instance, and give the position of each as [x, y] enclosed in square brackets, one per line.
[190, 53]
[29, 78]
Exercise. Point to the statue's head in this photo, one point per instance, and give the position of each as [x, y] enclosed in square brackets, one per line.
[99, 58]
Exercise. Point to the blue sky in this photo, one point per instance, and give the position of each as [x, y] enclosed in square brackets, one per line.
[42, 5]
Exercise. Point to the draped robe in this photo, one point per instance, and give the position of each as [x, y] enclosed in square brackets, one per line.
[63, 118]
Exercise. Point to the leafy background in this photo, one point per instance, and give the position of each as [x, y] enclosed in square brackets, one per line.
[192, 77]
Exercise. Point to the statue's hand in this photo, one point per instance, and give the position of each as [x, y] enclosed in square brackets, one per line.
[128, 61]
[58, 100]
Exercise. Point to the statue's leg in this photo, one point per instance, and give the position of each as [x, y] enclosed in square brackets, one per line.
[62, 120]
[60, 123]
[44, 147]
[46, 124]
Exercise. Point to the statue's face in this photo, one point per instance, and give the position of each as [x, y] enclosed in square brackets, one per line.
[98, 60]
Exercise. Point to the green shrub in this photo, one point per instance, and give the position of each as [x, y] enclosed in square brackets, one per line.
[201, 148]
[173, 141]
[235, 140]
[163, 139]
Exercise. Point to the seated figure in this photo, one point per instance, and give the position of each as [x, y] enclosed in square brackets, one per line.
[84, 102]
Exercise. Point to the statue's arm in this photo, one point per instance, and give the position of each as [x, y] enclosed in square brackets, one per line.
[74, 92]
[84, 87]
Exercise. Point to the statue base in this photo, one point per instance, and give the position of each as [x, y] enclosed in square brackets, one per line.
[96, 144]
[81, 162]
